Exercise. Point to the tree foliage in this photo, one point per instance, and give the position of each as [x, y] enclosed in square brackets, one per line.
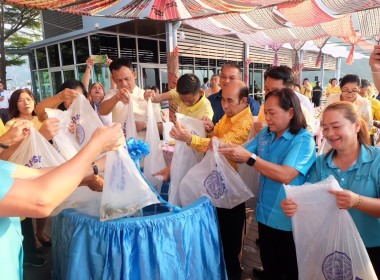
[19, 26]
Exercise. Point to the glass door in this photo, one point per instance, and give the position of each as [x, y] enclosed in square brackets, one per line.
[149, 76]
[56, 81]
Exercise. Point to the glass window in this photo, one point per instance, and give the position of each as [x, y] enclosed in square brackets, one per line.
[67, 53]
[266, 66]
[36, 92]
[53, 56]
[220, 62]
[201, 61]
[128, 48]
[45, 84]
[151, 77]
[56, 81]
[80, 70]
[185, 70]
[164, 80]
[201, 72]
[184, 60]
[68, 75]
[163, 57]
[81, 50]
[105, 44]
[212, 62]
[41, 58]
[251, 90]
[102, 75]
[137, 71]
[148, 51]
[32, 60]
[258, 81]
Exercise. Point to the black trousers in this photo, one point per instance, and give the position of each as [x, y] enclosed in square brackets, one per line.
[4, 115]
[374, 255]
[278, 253]
[231, 225]
[29, 243]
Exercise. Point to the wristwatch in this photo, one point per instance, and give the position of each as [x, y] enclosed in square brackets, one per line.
[251, 161]
[95, 168]
[4, 146]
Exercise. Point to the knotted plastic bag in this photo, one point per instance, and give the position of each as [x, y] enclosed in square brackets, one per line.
[127, 120]
[125, 190]
[215, 178]
[85, 119]
[250, 175]
[64, 142]
[328, 244]
[36, 152]
[154, 162]
[184, 157]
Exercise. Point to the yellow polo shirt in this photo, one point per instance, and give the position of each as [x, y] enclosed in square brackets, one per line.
[375, 107]
[305, 92]
[231, 130]
[2, 128]
[198, 110]
[333, 90]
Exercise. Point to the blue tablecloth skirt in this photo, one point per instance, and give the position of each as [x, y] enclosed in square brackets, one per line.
[183, 245]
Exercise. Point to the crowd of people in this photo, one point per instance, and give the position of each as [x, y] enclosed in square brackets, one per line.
[283, 152]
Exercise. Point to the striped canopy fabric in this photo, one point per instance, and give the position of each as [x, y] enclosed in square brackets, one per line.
[255, 22]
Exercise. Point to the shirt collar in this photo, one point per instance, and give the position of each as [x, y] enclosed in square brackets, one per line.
[196, 105]
[237, 117]
[287, 134]
[363, 157]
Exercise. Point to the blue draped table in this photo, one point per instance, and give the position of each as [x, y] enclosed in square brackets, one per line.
[184, 245]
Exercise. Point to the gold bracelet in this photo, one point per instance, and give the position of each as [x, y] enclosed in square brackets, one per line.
[360, 201]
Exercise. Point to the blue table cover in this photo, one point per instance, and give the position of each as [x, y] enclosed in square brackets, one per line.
[184, 245]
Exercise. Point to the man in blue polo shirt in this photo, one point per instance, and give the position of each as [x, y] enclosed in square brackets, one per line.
[230, 71]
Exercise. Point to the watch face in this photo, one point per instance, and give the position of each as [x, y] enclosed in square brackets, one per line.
[251, 161]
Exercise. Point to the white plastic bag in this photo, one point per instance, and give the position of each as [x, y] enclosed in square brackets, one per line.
[125, 190]
[36, 152]
[184, 157]
[85, 119]
[127, 120]
[328, 244]
[324, 148]
[250, 176]
[215, 178]
[64, 142]
[154, 162]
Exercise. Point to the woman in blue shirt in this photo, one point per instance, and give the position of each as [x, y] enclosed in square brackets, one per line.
[356, 166]
[283, 152]
[36, 192]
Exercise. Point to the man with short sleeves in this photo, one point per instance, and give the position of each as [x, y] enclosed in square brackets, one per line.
[124, 77]
[4, 103]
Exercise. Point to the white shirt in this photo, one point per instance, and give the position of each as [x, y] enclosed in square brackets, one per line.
[5, 103]
[140, 106]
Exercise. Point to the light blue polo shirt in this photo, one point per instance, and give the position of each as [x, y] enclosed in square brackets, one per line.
[362, 178]
[295, 150]
[11, 254]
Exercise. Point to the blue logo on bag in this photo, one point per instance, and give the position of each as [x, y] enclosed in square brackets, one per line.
[33, 161]
[337, 266]
[80, 134]
[214, 184]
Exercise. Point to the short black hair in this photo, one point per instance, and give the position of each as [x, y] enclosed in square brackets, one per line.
[297, 85]
[288, 99]
[306, 79]
[350, 78]
[284, 73]
[333, 79]
[120, 62]
[317, 83]
[72, 84]
[188, 83]
[243, 92]
[231, 65]
[365, 83]
[205, 80]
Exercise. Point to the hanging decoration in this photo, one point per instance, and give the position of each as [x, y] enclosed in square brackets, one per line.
[353, 40]
[297, 66]
[276, 47]
[247, 62]
[320, 43]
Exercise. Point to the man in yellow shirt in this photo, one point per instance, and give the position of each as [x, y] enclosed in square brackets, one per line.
[375, 106]
[191, 99]
[234, 127]
[306, 88]
[333, 89]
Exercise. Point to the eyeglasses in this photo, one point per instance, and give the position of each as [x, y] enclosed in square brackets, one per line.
[350, 91]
